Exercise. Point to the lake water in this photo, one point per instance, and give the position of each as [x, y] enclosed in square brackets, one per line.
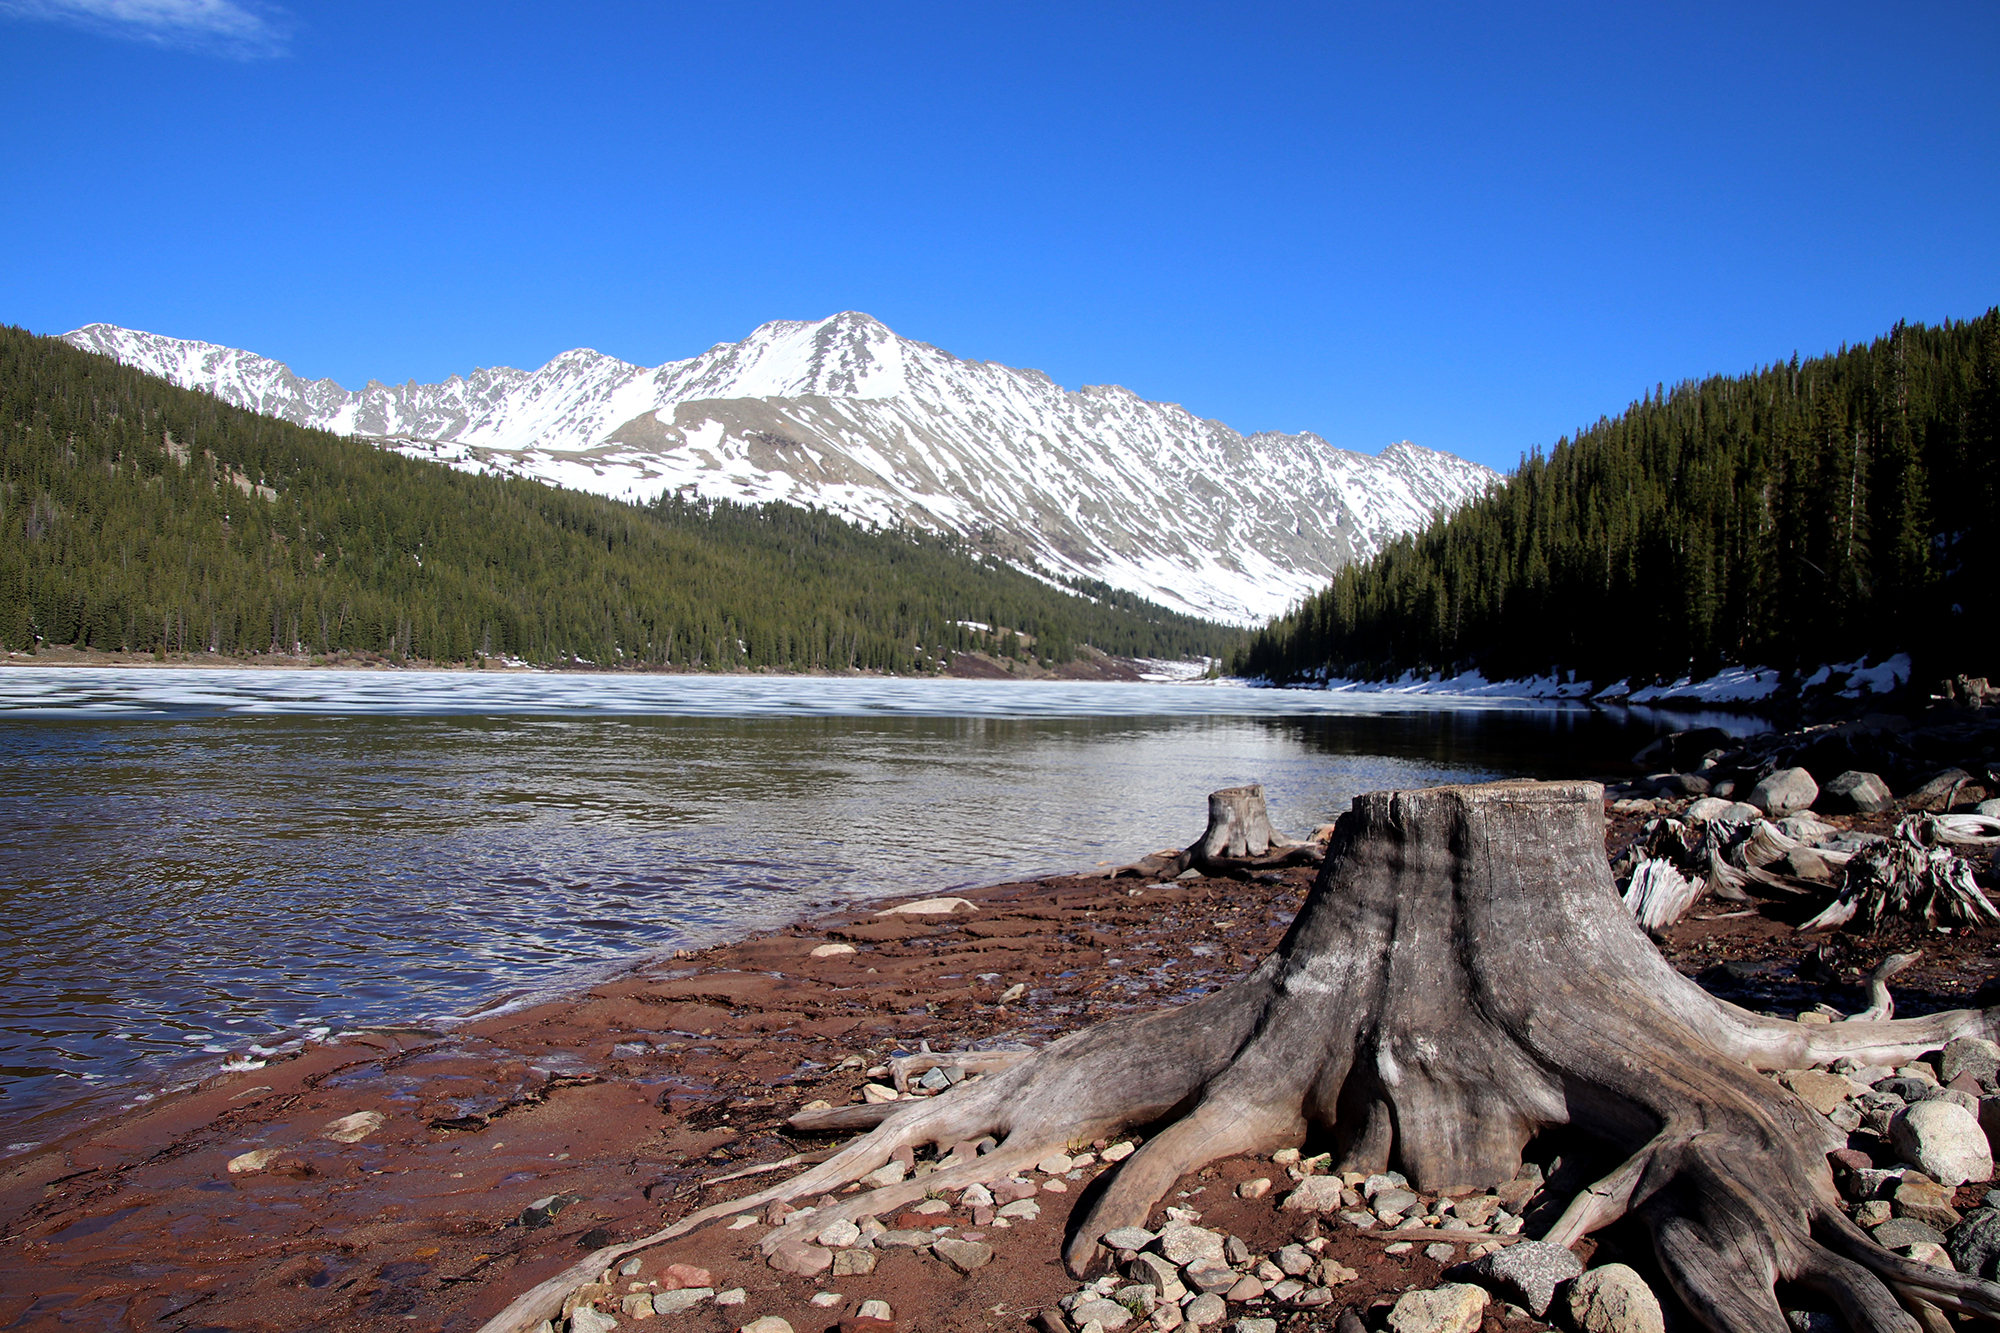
[196, 864]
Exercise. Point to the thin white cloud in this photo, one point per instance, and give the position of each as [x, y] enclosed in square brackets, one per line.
[243, 29]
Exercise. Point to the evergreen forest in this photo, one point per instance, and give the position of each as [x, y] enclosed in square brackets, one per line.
[139, 516]
[1808, 513]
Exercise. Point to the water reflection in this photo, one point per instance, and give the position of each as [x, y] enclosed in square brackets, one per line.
[181, 887]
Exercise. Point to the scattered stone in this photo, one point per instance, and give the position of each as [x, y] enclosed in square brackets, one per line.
[1054, 1164]
[802, 1257]
[1530, 1272]
[1822, 1091]
[976, 1196]
[889, 1173]
[1944, 1141]
[1356, 1219]
[680, 1300]
[1286, 1290]
[1315, 1194]
[1285, 1157]
[832, 950]
[1258, 1188]
[1184, 1243]
[1293, 1261]
[1705, 809]
[1235, 1251]
[1332, 1272]
[769, 1323]
[1025, 1209]
[1477, 1210]
[1118, 1152]
[1393, 1202]
[964, 1255]
[1157, 1273]
[875, 1310]
[1974, 1244]
[1615, 1299]
[1855, 793]
[675, 1276]
[1205, 1276]
[1245, 1288]
[1383, 1180]
[734, 1296]
[587, 1320]
[1128, 1238]
[1400, 1247]
[905, 1240]
[1969, 1055]
[255, 1160]
[1455, 1307]
[1440, 1252]
[851, 1263]
[543, 1211]
[1314, 1297]
[1924, 1252]
[1872, 1213]
[1106, 1314]
[1205, 1309]
[639, 1305]
[1250, 1325]
[353, 1128]
[840, 1234]
[1927, 1202]
[825, 1300]
[874, 1094]
[1898, 1232]
[1784, 791]
[1055, 1186]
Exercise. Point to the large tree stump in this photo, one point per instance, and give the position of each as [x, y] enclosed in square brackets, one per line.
[1462, 978]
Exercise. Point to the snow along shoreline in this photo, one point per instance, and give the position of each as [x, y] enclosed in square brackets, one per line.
[1733, 685]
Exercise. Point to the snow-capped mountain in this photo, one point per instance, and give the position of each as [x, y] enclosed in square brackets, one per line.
[845, 415]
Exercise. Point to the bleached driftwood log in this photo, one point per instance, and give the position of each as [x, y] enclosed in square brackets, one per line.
[1660, 894]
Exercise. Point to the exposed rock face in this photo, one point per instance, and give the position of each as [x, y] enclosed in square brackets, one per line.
[843, 414]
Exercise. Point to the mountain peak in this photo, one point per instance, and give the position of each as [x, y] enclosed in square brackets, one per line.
[842, 413]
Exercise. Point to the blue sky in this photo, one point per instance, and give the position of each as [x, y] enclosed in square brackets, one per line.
[1471, 226]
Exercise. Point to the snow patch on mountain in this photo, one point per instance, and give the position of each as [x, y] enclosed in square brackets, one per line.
[844, 414]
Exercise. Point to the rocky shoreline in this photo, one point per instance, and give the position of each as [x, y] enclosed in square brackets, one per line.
[421, 1178]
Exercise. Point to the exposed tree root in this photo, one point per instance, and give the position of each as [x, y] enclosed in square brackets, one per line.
[1462, 977]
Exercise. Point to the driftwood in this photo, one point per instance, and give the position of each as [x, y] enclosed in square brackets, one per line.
[1881, 1004]
[1660, 895]
[1462, 978]
[1909, 874]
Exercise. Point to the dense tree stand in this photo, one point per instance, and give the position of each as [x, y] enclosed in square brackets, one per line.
[1462, 978]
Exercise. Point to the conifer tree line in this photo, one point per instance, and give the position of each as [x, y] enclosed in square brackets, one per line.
[136, 515]
[1808, 513]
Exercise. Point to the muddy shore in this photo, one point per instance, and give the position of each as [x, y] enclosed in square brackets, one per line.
[626, 1101]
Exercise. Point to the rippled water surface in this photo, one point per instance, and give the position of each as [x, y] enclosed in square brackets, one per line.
[196, 863]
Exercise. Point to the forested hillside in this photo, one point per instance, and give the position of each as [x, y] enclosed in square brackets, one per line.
[137, 515]
[1807, 513]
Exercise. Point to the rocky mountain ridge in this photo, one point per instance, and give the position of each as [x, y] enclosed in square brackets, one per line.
[843, 414]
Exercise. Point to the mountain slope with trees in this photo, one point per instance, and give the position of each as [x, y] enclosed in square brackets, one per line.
[1807, 513]
[136, 515]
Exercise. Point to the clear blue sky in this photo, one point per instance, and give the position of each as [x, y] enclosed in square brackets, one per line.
[1472, 226]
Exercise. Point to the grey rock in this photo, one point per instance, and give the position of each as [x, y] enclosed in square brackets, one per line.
[543, 1211]
[964, 1255]
[853, 1263]
[1315, 1194]
[1383, 1180]
[678, 1302]
[1529, 1273]
[1615, 1299]
[1900, 1231]
[1142, 1294]
[1813, 1321]
[1784, 791]
[1440, 1252]
[1294, 1260]
[1455, 1307]
[1397, 1201]
[1183, 1243]
[1900, 1085]
[1236, 1251]
[1287, 1289]
[905, 1240]
[1205, 1309]
[1944, 1141]
[1244, 1289]
[1974, 1244]
[1706, 809]
[1161, 1275]
[587, 1320]
[1855, 793]
[1250, 1325]
[1209, 1277]
[1968, 1055]
[1106, 1313]
[1128, 1238]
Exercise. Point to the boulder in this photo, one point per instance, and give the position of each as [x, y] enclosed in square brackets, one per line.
[1969, 1055]
[587, 1320]
[1184, 1244]
[1315, 1194]
[1784, 791]
[1854, 793]
[1529, 1273]
[1615, 1299]
[1455, 1307]
[1974, 1244]
[1943, 1140]
[1707, 808]
[1936, 792]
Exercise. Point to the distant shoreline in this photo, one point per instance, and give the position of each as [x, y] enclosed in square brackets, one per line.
[1092, 666]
